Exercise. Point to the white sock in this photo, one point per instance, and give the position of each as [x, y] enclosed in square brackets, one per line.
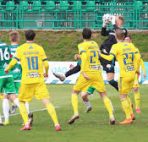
[16, 102]
[0, 118]
[6, 109]
[27, 107]
[87, 103]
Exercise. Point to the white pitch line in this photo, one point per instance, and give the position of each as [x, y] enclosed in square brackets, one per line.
[35, 110]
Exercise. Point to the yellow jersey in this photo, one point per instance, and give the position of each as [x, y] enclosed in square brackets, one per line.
[88, 51]
[31, 57]
[127, 56]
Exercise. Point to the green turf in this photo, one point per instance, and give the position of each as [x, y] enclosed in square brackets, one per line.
[91, 127]
[61, 46]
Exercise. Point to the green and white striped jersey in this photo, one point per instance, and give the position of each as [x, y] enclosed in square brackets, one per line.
[5, 57]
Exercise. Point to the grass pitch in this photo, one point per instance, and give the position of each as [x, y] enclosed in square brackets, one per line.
[91, 127]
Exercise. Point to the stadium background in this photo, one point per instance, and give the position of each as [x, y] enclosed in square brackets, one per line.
[70, 14]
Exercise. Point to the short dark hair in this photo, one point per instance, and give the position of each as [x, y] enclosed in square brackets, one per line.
[86, 33]
[30, 35]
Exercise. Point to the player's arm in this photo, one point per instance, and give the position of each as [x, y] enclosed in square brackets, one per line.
[143, 68]
[112, 54]
[83, 64]
[11, 64]
[14, 60]
[45, 62]
[107, 57]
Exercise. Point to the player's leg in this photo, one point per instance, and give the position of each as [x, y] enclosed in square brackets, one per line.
[100, 87]
[52, 112]
[90, 90]
[125, 86]
[137, 95]
[5, 106]
[43, 94]
[1, 123]
[109, 107]
[9, 89]
[80, 85]
[112, 82]
[126, 108]
[137, 98]
[74, 70]
[108, 67]
[25, 95]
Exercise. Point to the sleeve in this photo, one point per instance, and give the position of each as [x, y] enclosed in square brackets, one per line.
[83, 60]
[43, 55]
[11, 64]
[113, 54]
[17, 55]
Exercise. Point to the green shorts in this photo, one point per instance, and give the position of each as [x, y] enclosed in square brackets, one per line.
[7, 86]
[17, 87]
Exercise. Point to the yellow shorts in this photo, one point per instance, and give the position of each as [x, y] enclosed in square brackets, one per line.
[136, 82]
[126, 84]
[96, 81]
[28, 91]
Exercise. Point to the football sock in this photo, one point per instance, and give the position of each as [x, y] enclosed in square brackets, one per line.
[16, 102]
[137, 99]
[108, 106]
[23, 112]
[114, 84]
[74, 100]
[6, 109]
[27, 107]
[73, 71]
[52, 113]
[126, 107]
[130, 103]
[87, 103]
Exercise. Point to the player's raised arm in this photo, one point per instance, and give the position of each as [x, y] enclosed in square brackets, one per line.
[13, 61]
[45, 62]
[143, 67]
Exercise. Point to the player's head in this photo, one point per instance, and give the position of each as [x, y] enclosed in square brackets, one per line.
[119, 21]
[86, 33]
[128, 38]
[30, 35]
[14, 37]
[120, 35]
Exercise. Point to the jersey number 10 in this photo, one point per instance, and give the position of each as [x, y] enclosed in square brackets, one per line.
[32, 63]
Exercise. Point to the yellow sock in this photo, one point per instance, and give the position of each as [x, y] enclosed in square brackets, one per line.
[137, 99]
[23, 112]
[108, 106]
[126, 107]
[130, 103]
[52, 113]
[74, 100]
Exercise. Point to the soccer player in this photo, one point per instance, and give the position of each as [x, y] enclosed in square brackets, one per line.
[90, 75]
[128, 58]
[108, 66]
[137, 95]
[33, 61]
[16, 71]
[6, 80]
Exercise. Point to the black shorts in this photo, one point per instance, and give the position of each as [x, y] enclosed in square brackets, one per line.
[108, 66]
